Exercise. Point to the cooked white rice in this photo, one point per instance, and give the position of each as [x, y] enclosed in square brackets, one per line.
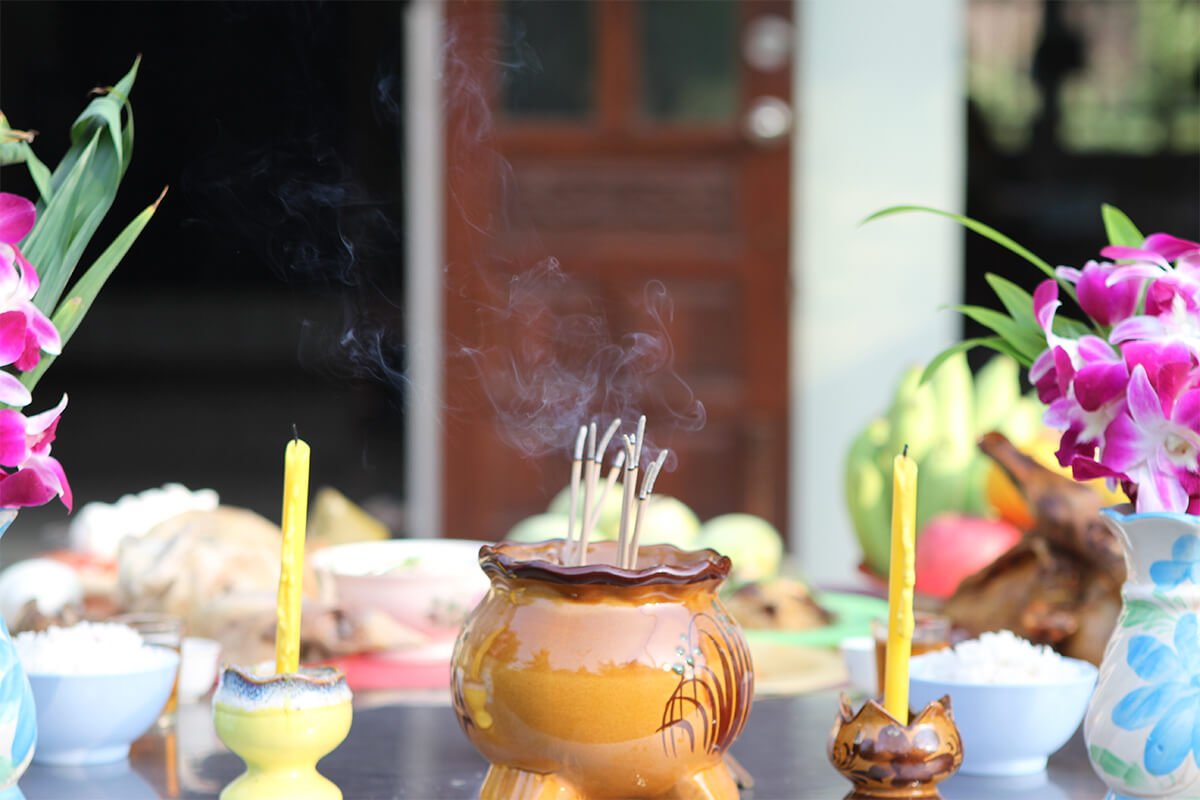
[87, 648]
[995, 658]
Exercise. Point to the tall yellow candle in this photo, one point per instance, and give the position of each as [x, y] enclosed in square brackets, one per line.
[291, 573]
[901, 577]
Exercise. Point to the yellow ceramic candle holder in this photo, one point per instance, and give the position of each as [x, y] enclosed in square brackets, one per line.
[281, 726]
[886, 759]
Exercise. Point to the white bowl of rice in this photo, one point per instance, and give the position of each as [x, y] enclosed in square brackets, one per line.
[1015, 703]
[97, 688]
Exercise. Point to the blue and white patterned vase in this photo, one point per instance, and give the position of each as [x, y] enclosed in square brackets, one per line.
[18, 717]
[1143, 725]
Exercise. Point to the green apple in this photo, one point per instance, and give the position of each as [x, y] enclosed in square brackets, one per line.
[538, 528]
[752, 544]
[669, 521]
[608, 525]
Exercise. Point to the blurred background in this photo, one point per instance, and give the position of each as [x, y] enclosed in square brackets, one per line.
[437, 236]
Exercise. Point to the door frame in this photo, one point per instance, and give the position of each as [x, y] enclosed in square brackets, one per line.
[845, 164]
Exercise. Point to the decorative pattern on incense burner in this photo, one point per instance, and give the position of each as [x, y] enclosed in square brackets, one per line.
[593, 681]
[884, 759]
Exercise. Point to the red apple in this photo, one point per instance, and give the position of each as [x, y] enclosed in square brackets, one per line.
[952, 546]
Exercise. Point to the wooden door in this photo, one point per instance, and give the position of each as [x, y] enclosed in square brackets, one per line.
[617, 177]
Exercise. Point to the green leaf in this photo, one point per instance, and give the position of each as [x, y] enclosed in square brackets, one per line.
[993, 342]
[39, 172]
[73, 308]
[977, 227]
[1029, 341]
[1016, 300]
[1120, 229]
[1070, 328]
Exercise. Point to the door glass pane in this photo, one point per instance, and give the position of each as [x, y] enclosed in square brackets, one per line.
[547, 67]
[689, 60]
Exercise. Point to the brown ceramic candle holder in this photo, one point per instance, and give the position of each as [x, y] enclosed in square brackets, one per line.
[584, 682]
[886, 759]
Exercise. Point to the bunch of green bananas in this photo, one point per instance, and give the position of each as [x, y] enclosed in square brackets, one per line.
[940, 421]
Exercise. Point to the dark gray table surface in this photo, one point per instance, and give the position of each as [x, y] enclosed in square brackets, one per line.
[412, 748]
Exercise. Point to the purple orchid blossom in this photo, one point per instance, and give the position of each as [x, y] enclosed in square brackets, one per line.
[1107, 303]
[1128, 401]
[25, 332]
[1155, 444]
[29, 475]
[25, 444]
[1172, 307]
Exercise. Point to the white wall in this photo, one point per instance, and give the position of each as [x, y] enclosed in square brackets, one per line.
[880, 112]
[425, 179]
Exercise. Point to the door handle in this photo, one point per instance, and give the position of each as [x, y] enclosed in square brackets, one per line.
[768, 121]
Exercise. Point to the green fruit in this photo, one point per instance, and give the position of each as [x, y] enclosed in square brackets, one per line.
[868, 495]
[912, 419]
[609, 522]
[954, 397]
[997, 391]
[752, 544]
[538, 528]
[668, 521]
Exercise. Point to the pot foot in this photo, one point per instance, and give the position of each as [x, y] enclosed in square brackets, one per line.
[714, 783]
[510, 783]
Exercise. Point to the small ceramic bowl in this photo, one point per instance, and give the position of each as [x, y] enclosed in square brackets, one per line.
[92, 719]
[859, 654]
[198, 668]
[426, 584]
[1010, 729]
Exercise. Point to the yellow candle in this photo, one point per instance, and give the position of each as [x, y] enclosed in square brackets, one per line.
[901, 578]
[291, 573]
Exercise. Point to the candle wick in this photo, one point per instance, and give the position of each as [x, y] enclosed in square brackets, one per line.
[296, 435]
[905, 453]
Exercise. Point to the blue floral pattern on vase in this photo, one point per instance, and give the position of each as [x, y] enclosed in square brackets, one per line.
[1172, 700]
[1184, 564]
[18, 717]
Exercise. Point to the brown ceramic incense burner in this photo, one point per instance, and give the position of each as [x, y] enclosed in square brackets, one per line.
[585, 682]
[884, 758]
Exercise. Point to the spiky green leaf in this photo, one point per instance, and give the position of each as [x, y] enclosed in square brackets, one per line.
[992, 342]
[71, 310]
[1017, 301]
[1027, 340]
[1120, 229]
[978, 227]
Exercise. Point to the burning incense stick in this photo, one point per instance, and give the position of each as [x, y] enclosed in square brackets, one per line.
[576, 467]
[602, 448]
[613, 472]
[597, 461]
[643, 496]
[589, 485]
[629, 484]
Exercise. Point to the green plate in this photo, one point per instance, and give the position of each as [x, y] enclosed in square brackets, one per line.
[852, 615]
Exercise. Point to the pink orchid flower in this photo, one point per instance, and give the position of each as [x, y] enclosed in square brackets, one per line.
[1172, 308]
[1082, 381]
[1155, 443]
[1107, 303]
[25, 445]
[25, 332]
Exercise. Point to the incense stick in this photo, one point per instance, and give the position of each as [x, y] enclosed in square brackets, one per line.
[589, 521]
[613, 472]
[643, 496]
[589, 482]
[576, 467]
[629, 484]
[602, 448]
